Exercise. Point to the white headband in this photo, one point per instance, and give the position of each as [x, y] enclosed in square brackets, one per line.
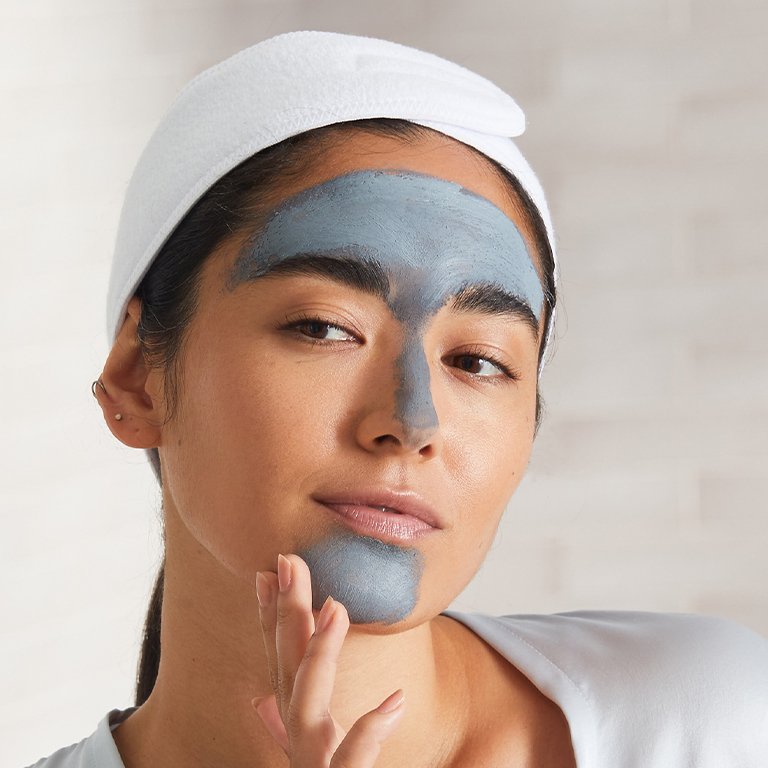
[284, 86]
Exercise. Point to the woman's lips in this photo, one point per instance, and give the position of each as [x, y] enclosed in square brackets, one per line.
[372, 521]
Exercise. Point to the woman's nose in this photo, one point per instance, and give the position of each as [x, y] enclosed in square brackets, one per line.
[403, 419]
[380, 432]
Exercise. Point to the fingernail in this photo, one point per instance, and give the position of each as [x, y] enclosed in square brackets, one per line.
[392, 702]
[263, 590]
[256, 701]
[283, 573]
[325, 615]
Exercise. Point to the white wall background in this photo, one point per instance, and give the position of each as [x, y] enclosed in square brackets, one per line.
[648, 487]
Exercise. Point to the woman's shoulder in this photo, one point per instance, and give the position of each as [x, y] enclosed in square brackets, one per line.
[73, 756]
[620, 641]
[680, 688]
[95, 751]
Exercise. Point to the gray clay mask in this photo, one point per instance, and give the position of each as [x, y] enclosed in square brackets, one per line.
[376, 581]
[426, 239]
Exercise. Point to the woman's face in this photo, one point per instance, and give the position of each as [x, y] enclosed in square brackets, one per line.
[328, 363]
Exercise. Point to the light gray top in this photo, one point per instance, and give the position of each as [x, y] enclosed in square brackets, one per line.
[650, 690]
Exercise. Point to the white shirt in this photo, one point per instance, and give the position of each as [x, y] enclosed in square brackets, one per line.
[639, 690]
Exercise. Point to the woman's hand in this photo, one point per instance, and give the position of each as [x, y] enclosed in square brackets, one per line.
[302, 660]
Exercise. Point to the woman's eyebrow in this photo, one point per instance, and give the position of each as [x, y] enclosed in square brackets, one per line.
[365, 274]
[368, 275]
[494, 301]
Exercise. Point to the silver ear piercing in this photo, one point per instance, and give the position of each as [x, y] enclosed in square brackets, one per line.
[98, 383]
[118, 417]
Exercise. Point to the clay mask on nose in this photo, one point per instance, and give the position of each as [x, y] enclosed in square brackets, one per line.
[428, 237]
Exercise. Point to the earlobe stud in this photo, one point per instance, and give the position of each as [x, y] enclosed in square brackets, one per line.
[118, 417]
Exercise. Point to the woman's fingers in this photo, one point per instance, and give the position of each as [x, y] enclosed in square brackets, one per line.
[287, 623]
[266, 590]
[303, 656]
[313, 685]
[295, 623]
[361, 746]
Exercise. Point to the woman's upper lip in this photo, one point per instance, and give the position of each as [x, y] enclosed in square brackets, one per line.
[404, 502]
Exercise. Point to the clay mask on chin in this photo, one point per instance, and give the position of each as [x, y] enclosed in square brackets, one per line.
[426, 239]
[376, 581]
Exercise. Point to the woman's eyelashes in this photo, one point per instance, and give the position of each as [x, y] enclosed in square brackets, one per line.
[318, 330]
[478, 363]
[482, 356]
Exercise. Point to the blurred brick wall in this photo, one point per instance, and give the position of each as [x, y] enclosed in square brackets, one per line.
[647, 489]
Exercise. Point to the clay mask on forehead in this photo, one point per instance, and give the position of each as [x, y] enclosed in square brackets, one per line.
[428, 238]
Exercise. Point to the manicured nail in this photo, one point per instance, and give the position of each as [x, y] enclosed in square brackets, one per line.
[263, 590]
[283, 573]
[392, 702]
[326, 614]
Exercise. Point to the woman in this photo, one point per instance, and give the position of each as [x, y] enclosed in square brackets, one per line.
[332, 294]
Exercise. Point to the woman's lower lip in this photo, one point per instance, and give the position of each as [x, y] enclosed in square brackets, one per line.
[372, 521]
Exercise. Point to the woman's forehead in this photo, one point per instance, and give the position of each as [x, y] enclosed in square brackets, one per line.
[428, 238]
[434, 154]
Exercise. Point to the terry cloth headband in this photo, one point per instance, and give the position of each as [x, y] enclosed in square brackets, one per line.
[284, 86]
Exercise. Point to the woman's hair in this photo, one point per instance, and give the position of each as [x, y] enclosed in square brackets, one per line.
[239, 202]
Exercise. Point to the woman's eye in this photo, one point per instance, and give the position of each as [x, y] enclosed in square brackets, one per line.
[483, 366]
[317, 329]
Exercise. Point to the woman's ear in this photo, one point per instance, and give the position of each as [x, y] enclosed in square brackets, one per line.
[129, 392]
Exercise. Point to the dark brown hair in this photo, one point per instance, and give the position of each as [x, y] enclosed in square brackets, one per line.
[237, 202]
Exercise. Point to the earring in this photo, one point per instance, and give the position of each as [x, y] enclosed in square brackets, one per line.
[118, 417]
[100, 384]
